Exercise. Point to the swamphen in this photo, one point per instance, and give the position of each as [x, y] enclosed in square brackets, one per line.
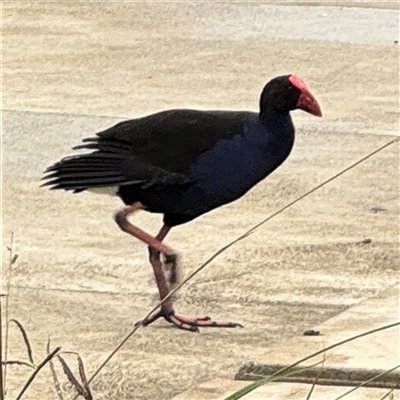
[184, 163]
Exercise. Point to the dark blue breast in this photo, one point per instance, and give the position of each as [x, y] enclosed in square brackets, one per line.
[232, 167]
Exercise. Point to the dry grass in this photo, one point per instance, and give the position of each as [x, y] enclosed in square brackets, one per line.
[35, 367]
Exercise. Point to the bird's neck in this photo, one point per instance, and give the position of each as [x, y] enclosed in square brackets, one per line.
[279, 124]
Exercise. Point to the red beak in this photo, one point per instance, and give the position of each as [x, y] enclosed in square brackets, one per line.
[308, 103]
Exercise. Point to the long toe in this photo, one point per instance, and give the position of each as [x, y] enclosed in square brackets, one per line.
[201, 322]
[153, 317]
[191, 324]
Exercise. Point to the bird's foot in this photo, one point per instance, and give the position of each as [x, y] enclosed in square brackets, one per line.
[188, 323]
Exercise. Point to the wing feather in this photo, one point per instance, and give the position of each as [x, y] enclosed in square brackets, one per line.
[157, 149]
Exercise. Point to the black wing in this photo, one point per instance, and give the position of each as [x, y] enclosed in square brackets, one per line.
[158, 148]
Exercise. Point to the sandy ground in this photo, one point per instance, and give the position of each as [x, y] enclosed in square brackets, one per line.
[71, 69]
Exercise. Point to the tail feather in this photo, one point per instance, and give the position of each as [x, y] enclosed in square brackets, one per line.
[87, 171]
[112, 163]
[81, 165]
[71, 174]
[113, 146]
[87, 184]
[107, 147]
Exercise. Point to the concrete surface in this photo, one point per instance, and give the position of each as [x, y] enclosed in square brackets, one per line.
[84, 283]
[379, 350]
[220, 389]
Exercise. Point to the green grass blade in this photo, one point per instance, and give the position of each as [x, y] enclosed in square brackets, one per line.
[249, 388]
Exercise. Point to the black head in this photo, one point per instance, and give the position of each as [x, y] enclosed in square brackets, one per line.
[285, 93]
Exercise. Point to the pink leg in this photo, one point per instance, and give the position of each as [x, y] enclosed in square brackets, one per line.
[167, 310]
[126, 226]
[171, 261]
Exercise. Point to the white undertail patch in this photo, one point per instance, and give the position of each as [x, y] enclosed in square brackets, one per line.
[108, 190]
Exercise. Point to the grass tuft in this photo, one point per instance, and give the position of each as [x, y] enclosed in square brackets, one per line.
[26, 340]
[36, 371]
[82, 389]
[57, 385]
[4, 362]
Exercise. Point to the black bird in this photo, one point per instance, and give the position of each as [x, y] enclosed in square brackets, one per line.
[184, 163]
